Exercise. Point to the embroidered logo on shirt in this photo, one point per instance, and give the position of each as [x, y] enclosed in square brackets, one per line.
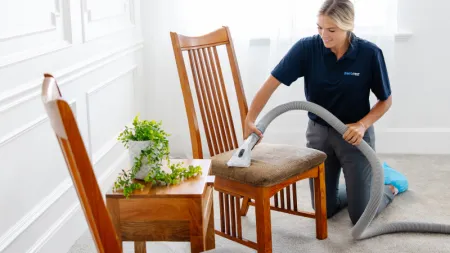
[351, 74]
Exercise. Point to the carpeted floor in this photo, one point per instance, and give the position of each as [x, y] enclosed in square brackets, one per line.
[427, 200]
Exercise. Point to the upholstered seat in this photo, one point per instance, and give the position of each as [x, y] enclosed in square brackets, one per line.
[271, 164]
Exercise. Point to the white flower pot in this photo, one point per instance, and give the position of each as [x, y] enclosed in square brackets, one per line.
[134, 151]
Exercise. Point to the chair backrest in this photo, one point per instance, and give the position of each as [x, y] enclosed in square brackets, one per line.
[80, 168]
[209, 84]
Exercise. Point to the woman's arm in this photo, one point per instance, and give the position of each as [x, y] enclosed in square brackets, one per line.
[258, 103]
[355, 131]
[380, 108]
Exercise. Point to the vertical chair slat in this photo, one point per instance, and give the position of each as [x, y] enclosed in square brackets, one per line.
[243, 108]
[212, 99]
[222, 83]
[233, 216]
[227, 215]
[207, 97]
[225, 130]
[220, 131]
[294, 195]
[200, 95]
[239, 224]
[288, 197]
[222, 220]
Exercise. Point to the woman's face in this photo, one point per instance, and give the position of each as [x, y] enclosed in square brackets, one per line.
[331, 34]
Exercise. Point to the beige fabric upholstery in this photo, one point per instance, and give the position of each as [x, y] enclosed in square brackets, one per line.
[271, 164]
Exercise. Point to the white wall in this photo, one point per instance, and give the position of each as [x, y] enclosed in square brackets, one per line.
[99, 69]
[416, 123]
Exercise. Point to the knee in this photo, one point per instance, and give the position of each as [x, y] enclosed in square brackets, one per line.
[355, 216]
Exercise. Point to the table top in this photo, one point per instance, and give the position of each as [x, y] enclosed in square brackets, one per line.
[190, 188]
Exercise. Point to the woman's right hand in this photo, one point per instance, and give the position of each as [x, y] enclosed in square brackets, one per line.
[250, 128]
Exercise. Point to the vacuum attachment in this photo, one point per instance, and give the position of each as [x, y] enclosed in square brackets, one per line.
[243, 155]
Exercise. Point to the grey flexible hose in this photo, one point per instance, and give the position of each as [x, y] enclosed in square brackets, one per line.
[360, 230]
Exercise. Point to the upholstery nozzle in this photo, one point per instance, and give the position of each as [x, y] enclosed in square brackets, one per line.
[242, 157]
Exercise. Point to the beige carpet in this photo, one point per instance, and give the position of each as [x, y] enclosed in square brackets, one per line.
[427, 200]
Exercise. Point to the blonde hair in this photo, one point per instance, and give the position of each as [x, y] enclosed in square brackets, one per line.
[341, 12]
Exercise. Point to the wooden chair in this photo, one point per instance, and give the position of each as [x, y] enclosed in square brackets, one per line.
[80, 168]
[275, 168]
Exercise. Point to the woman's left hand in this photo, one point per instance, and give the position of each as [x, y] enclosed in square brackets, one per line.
[354, 133]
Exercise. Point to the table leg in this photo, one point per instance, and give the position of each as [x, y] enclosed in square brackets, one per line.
[210, 233]
[201, 240]
[196, 231]
[139, 247]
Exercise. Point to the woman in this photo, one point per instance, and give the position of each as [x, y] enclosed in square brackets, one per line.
[339, 71]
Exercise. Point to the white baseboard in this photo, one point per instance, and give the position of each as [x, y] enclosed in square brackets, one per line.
[427, 141]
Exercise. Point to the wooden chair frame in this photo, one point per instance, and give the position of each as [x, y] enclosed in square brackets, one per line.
[80, 168]
[234, 197]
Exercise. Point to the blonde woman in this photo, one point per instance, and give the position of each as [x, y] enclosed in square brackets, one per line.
[340, 70]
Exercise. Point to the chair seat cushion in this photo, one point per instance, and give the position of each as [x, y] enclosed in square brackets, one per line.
[270, 164]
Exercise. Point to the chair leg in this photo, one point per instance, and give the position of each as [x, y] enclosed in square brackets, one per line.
[245, 206]
[263, 221]
[320, 204]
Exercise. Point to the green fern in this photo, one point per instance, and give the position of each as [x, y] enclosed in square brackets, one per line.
[144, 130]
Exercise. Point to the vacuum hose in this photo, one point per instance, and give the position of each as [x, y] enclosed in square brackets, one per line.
[359, 231]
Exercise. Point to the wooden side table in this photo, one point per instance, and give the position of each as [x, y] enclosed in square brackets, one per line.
[182, 212]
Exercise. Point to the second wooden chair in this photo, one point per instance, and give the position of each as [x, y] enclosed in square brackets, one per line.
[275, 168]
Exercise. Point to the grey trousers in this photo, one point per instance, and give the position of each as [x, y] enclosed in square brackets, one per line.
[355, 193]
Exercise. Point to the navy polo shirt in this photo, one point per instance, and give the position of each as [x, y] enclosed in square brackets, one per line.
[341, 86]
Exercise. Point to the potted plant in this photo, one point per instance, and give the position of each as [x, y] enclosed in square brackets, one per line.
[148, 147]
